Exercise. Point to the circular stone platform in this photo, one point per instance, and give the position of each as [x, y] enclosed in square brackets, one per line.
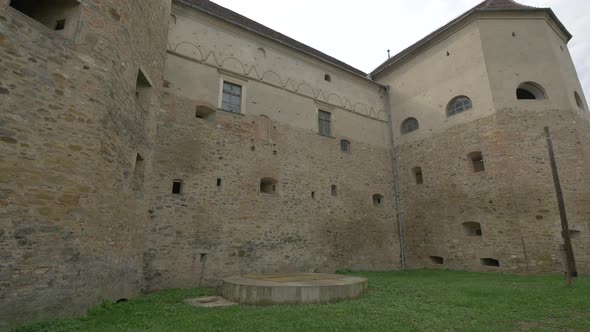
[293, 288]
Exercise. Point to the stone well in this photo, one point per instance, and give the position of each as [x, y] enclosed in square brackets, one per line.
[293, 288]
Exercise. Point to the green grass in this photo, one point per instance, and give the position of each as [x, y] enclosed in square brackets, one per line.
[397, 301]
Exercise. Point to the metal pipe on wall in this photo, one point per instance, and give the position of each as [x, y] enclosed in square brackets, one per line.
[396, 191]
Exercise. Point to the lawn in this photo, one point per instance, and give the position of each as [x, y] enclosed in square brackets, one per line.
[424, 300]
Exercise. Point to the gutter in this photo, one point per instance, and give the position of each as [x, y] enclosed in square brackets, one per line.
[396, 191]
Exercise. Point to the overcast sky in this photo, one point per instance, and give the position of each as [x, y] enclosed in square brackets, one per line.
[360, 32]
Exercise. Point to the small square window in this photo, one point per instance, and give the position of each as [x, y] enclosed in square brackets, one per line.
[60, 25]
[325, 123]
[345, 146]
[477, 162]
[232, 97]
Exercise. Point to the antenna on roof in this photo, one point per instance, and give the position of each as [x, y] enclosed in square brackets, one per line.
[388, 55]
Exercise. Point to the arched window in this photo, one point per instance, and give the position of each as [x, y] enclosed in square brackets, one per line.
[530, 90]
[409, 125]
[345, 146]
[268, 186]
[327, 78]
[459, 105]
[578, 100]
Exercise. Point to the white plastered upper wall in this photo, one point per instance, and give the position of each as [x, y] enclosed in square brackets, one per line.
[282, 83]
[486, 63]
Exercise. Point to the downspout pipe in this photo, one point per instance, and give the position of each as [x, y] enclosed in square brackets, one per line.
[396, 191]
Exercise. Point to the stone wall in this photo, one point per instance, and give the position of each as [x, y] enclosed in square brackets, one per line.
[71, 228]
[208, 231]
[514, 200]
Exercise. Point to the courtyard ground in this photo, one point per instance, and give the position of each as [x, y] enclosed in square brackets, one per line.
[425, 300]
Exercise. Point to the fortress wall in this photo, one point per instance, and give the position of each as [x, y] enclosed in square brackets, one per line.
[513, 200]
[71, 226]
[208, 231]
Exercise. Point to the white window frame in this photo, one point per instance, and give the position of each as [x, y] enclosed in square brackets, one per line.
[235, 81]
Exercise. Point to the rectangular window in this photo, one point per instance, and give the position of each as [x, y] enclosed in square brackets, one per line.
[419, 176]
[477, 162]
[232, 98]
[138, 175]
[177, 187]
[325, 123]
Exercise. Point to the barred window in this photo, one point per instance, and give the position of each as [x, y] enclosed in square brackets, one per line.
[409, 125]
[232, 98]
[459, 105]
[325, 123]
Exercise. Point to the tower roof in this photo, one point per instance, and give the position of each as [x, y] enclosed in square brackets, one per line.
[501, 4]
[485, 6]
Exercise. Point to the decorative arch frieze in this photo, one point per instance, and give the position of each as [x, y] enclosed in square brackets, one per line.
[232, 63]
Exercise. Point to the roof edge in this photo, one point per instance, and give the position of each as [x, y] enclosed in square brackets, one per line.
[416, 46]
[356, 72]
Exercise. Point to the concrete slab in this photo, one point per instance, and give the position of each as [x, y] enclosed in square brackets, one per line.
[295, 288]
[210, 302]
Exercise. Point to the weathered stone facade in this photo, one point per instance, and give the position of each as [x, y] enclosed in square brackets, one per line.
[121, 172]
[211, 231]
[512, 204]
[71, 228]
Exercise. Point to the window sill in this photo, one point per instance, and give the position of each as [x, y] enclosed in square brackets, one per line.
[333, 137]
[229, 112]
[269, 195]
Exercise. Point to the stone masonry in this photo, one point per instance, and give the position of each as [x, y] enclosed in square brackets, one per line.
[122, 169]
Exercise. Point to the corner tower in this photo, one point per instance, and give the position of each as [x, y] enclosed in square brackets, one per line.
[79, 92]
[470, 103]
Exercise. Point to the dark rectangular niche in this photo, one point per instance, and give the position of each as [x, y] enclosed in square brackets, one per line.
[490, 262]
[177, 187]
[472, 228]
[437, 260]
[59, 15]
